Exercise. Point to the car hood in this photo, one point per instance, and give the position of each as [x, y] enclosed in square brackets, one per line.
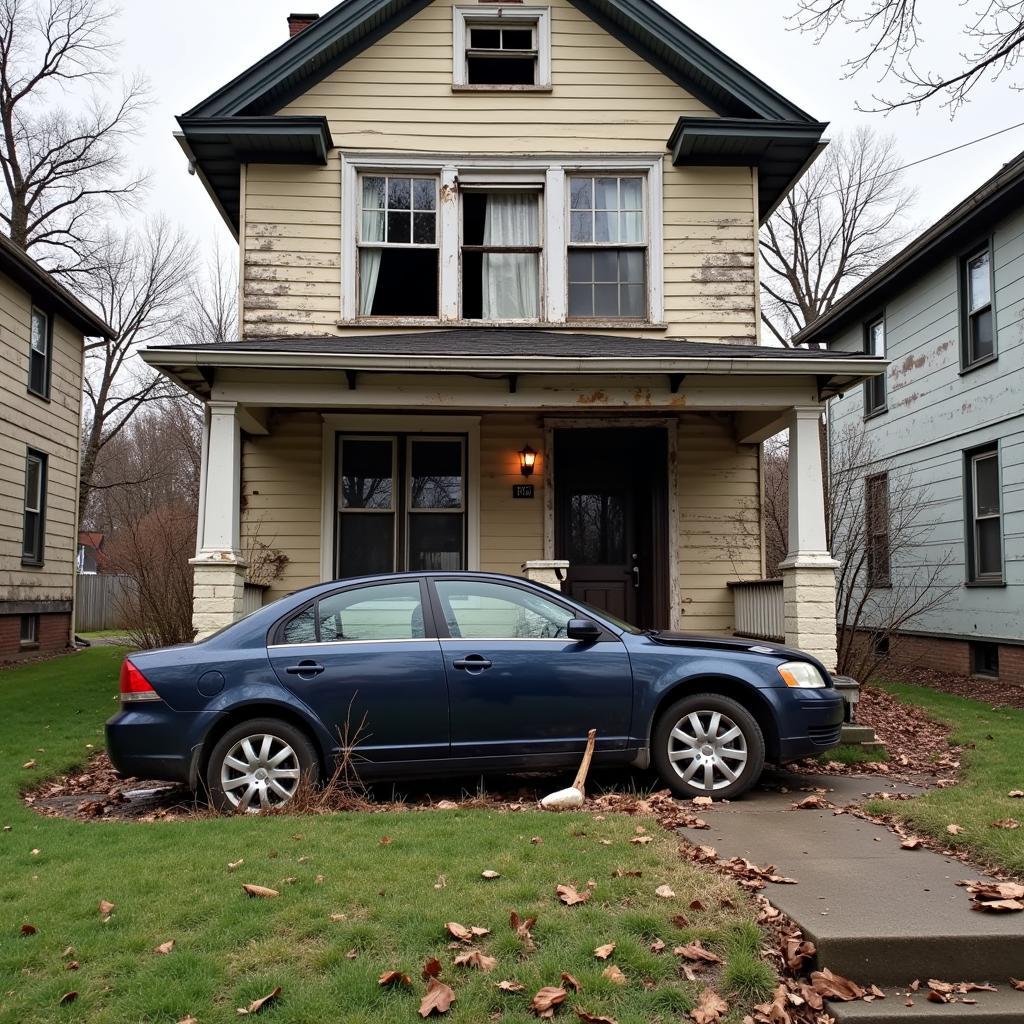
[675, 638]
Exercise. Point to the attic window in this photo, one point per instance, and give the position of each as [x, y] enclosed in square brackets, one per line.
[499, 49]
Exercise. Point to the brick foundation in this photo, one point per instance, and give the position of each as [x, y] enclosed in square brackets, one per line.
[52, 636]
[942, 654]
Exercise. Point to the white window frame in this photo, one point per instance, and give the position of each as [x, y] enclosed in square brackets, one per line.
[976, 575]
[464, 17]
[547, 172]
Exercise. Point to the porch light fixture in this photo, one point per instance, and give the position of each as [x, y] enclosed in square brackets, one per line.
[527, 460]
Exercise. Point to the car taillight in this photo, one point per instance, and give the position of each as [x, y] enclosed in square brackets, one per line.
[134, 685]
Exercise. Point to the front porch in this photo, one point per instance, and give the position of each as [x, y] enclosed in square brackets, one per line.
[349, 457]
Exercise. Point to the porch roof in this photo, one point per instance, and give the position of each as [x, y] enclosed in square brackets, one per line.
[512, 353]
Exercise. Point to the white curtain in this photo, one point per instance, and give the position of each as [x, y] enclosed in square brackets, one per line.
[510, 280]
[372, 231]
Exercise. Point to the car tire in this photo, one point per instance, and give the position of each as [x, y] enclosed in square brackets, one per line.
[260, 765]
[722, 735]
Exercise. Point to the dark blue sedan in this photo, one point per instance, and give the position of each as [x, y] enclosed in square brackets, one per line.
[460, 672]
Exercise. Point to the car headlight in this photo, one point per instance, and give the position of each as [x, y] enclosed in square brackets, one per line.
[802, 675]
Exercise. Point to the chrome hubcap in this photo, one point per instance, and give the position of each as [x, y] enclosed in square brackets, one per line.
[707, 750]
[259, 772]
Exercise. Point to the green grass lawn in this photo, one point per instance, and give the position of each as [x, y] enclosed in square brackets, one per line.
[993, 765]
[170, 880]
[852, 754]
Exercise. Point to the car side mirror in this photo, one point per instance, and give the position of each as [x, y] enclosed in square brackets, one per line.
[585, 630]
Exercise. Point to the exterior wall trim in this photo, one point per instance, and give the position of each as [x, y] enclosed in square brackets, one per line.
[333, 423]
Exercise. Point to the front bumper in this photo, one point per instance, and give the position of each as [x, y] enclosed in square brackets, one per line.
[149, 741]
[809, 721]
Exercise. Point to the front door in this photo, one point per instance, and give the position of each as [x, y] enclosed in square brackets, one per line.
[611, 520]
[518, 686]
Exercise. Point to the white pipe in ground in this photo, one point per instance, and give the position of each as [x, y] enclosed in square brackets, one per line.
[572, 798]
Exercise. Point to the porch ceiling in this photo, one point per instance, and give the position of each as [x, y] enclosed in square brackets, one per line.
[512, 354]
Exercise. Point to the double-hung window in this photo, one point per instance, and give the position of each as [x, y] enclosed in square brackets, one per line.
[499, 48]
[501, 251]
[874, 387]
[985, 533]
[398, 252]
[978, 342]
[607, 259]
[876, 507]
[39, 354]
[401, 503]
[33, 526]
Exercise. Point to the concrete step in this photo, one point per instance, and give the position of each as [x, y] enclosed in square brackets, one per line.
[857, 734]
[1003, 1007]
[877, 914]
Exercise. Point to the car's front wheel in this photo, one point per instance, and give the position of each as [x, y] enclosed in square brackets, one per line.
[259, 765]
[708, 745]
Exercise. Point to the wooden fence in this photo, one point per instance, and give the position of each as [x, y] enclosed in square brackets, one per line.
[99, 602]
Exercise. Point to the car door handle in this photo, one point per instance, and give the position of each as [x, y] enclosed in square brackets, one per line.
[472, 663]
[305, 668]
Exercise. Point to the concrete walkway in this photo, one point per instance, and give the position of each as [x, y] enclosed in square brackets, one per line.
[878, 914]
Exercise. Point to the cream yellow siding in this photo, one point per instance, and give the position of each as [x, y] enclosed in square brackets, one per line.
[52, 427]
[397, 96]
[281, 496]
[719, 532]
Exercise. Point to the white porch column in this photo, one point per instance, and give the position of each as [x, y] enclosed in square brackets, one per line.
[219, 569]
[808, 570]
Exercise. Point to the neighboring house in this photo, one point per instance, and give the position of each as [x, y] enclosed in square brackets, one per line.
[90, 552]
[500, 311]
[948, 313]
[42, 350]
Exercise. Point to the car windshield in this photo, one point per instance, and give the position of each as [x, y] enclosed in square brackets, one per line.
[600, 613]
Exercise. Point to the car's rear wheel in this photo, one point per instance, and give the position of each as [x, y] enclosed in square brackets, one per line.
[708, 745]
[260, 765]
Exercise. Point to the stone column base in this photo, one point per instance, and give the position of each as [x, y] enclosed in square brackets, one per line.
[550, 572]
[217, 593]
[809, 601]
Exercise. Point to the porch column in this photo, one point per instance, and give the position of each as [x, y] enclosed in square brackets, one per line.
[219, 569]
[808, 570]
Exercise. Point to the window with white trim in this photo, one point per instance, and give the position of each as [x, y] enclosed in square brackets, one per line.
[33, 524]
[398, 251]
[401, 504]
[540, 240]
[501, 48]
[39, 354]
[985, 539]
[978, 343]
[607, 257]
[874, 387]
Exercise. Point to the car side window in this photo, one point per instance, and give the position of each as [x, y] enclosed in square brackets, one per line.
[302, 628]
[391, 611]
[481, 610]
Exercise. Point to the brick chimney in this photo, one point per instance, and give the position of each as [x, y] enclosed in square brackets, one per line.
[297, 22]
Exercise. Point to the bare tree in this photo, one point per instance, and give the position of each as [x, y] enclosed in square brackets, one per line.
[63, 168]
[844, 218]
[775, 502]
[210, 308]
[883, 582]
[137, 283]
[894, 31]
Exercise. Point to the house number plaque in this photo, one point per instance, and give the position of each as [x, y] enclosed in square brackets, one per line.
[522, 490]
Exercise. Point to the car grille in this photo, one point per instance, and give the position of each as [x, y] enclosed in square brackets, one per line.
[825, 735]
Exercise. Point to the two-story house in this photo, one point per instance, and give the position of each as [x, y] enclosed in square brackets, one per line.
[42, 350]
[948, 313]
[499, 307]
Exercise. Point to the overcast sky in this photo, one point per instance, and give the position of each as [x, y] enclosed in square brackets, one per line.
[188, 48]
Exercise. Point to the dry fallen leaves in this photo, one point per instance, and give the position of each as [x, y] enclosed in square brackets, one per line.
[658, 946]
[259, 892]
[474, 958]
[911, 843]
[510, 986]
[547, 1000]
[68, 997]
[522, 928]
[614, 974]
[165, 947]
[439, 998]
[29, 764]
[489, 874]
[1016, 794]
[431, 969]
[814, 802]
[234, 865]
[464, 934]
[605, 951]
[593, 1018]
[996, 897]
[569, 895]
[1006, 823]
[189, 1020]
[665, 892]
[29, 929]
[570, 982]
[106, 908]
[642, 840]
[393, 978]
[696, 952]
[709, 1008]
[833, 986]
[954, 830]
[1017, 984]
[261, 1004]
